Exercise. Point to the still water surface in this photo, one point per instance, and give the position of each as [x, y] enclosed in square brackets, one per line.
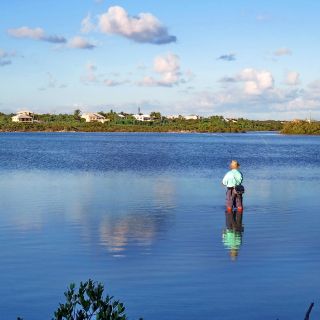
[144, 214]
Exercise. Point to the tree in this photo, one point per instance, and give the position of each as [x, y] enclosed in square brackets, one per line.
[89, 303]
[155, 115]
[77, 114]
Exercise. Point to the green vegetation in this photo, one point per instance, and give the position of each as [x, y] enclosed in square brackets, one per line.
[302, 127]
[88, 303]
[127, 123]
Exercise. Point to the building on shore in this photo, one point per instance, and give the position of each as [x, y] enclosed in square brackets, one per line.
[233, 120]
[94, 117]
[191, 117]
[142, 117]
[24, 116]
[174, 116]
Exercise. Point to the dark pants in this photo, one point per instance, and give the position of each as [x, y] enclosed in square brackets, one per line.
[233, 199]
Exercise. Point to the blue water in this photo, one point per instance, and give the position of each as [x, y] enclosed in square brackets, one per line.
[144, 214]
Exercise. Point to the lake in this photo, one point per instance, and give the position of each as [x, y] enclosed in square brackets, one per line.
[144, 214]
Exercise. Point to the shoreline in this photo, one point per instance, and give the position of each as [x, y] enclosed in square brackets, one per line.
[137, 131]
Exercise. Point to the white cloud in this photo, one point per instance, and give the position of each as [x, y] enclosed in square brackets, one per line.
[256, 81]
[87, 24]
[276, 103]
[292, 78]
[283, 52]
[35, 34]
[144, 27]
[169, 71]
[80, 43]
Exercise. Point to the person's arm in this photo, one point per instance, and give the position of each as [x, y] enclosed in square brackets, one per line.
[225, 179]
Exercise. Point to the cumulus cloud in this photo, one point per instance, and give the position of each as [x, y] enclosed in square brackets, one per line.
[39, 34]
[256, 81]
[143, 28]
[227, 57]
[80, 43]
[168, 69]
[292, 78]
[35, 34]
[282, 52]
[271, 102]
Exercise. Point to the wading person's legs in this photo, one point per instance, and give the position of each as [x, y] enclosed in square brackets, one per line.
[239, 204]
[229, 200]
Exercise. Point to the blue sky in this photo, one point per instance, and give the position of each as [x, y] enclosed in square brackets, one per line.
[256, 59]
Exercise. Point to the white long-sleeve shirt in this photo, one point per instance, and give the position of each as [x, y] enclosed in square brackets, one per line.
[232, 178]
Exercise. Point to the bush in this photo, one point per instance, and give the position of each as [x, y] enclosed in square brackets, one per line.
[88, 303]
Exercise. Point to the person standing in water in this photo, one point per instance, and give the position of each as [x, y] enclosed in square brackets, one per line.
[233, 181]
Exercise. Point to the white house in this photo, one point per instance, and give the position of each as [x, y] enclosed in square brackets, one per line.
[94, 117]
[142, 117]
[191, 117]
[24, 116]
[173, 116]
[231, 120]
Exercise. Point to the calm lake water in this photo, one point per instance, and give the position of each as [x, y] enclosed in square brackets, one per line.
[144, 214]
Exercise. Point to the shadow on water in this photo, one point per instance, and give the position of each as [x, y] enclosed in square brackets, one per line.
[232, 234]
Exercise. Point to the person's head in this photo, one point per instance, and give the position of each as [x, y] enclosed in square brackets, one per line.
[234, 164]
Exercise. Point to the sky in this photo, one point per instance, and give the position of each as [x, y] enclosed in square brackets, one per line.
[240, 58]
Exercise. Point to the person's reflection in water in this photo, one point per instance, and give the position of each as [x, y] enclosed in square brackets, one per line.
[232, 234]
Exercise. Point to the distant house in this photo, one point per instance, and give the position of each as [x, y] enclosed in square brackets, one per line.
[173, 116]
[230, 120]
[120, 115]
[24, 116]
[191, 117]
[94, 117]
[142, 117]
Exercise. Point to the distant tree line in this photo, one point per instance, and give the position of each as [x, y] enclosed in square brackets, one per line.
[123, 122]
